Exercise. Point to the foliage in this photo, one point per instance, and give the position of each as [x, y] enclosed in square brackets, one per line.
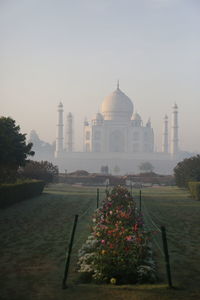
[146, 167]
[194, 188]
[16, 192]
[13, 149]
[119, 248]
[26, 246]
[187, 170]
[79, 173]
[43, 170]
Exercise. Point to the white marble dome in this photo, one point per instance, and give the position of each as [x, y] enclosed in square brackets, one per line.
[117, 106]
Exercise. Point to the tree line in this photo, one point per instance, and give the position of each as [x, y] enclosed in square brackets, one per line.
[14, 154]
[187, 171]
[15, 151]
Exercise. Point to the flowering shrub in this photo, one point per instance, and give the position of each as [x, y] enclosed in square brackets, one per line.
[119, 248]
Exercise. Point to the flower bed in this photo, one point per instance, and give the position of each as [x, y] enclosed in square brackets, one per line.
[119, 248]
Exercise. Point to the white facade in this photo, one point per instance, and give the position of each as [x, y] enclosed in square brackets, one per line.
[117, 128]
[117, 137]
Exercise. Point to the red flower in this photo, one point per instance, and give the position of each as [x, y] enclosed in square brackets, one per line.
[135, 227]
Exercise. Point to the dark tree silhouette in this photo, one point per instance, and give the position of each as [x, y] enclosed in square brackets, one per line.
[13, 149]
[187, 170]
[43, 170]
[146, 167]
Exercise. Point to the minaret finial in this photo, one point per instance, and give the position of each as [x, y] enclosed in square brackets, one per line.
[118, 84]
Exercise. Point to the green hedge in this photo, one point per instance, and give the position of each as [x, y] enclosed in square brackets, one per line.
[19, 191]
[194, 188]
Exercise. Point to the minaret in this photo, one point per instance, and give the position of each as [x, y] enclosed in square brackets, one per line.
[69, 133]
[165, 146]
[174, 138]
[59, 140]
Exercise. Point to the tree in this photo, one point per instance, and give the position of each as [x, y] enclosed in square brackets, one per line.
[187, 170]
[43, 170]
[13, 149]
[79, 173]
[146, 167]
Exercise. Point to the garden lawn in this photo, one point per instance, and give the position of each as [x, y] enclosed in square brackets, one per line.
[35, 235]
[180, 214]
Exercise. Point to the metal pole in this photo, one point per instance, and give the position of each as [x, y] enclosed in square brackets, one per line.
[131, 190]
[167, 262]
[140, 200]
[98, 198]
[64, 286]
[106, 189]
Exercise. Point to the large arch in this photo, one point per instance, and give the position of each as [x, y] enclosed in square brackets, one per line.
[116, 141]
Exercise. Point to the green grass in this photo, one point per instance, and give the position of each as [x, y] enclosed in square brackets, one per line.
[175, 209]
[35, 235]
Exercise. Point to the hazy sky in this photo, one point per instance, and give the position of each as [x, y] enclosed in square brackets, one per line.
[75, 50]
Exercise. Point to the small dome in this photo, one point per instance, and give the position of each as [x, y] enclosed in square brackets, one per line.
[136, 117]
[136, 120]
[117, 106]
[98, 117]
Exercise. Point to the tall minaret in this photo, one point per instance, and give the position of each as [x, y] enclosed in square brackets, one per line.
[165, 146]
[174, 137]
[59, 140]
[69, 133]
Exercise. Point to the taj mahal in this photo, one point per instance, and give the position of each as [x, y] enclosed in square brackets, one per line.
[116, 137]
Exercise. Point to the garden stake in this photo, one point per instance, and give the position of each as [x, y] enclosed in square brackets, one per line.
[64, 286]
[140, 200]
[167, 262]
[106, 188]
[98, 198]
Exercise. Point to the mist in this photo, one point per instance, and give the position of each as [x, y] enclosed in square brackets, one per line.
[75, 51]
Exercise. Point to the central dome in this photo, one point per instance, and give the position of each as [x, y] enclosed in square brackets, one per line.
[117, 106]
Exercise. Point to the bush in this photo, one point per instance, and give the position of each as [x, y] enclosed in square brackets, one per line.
[187, 170]
[194, 188]
[119, 247]
[19, 191]
[13, 149]
[42, 170]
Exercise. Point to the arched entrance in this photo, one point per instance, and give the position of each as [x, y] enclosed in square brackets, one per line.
[116, 141]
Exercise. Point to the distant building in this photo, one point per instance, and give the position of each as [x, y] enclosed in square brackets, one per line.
[42, 149]
[116, 137]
